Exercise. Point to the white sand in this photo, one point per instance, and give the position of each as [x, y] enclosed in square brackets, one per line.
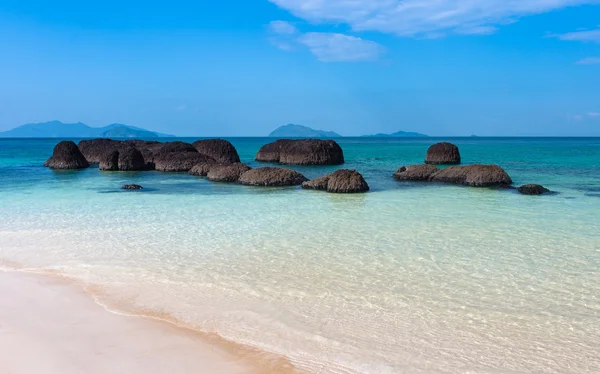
[49, 326]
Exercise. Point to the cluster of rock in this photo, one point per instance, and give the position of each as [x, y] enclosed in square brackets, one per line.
[467, 175]
[302, 152]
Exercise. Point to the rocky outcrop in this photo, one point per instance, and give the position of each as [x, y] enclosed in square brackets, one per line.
[341, 181]
[443, 154]
[533, 189]
[179, 157]
[221, 150]
[474, 176]
[302, 152]
[416, 172]
[227, 173]
[131, 159]
[202, 169]
[148, 148]
[319, 183]
[132, 187]
[109, 161]
[67, 156]
[95, 149]
[270, 176]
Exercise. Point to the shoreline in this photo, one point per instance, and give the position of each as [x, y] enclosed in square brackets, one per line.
[53, 318]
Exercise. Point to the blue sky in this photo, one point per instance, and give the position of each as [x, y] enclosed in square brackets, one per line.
[242, 68]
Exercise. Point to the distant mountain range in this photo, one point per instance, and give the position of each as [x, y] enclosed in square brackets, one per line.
[298, 131]
[57, 129]
[399, 134]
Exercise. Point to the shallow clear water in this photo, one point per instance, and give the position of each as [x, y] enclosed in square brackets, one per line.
[407, 278]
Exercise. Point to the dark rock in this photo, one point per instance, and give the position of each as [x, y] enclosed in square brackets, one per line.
[416, 172]
[474, 176]
[131, 159]
[132, 187]
[95, 149]
[443, 154]
[221, 150]
[176, 146]
[533, 189]
[227, 173]
[346, 181]
[148, 148]
[317, 183]
[179, 162]
[109, 161]
[66, 155]
[270, 176]
[202, 169]
[272, 151]
[302, 152]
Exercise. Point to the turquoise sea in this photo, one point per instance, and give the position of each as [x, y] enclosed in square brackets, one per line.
[408, 278]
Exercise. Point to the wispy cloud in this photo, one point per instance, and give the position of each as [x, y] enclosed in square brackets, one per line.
[581, 36]
[589, 61]
[181, 108]
[327, 47]
[422, 17]
[330, 47]
[594, 114]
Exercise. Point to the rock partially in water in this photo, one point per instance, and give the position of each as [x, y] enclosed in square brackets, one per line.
[302, 152]
[148, 148]
[132, 187]
[443, 154]
[533, 189]
[221, 150]
[202, 169]
[415, 172]
[319, 183]
[341, 181]
[474, 176]
[271, 177]
[67, 156]
[109, 161]
[227, 173]
[95, 149]
[179, 157]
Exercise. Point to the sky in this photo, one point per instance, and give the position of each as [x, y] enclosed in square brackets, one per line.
[245, 67]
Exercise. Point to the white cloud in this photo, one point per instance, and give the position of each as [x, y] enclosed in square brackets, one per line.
[581, 36]
[422, 17]
[282, 28]
[329, 47]
[589, 61]
[594, 114]
[180, 108]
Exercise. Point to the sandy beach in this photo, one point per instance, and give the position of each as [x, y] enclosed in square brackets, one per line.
[50, 325]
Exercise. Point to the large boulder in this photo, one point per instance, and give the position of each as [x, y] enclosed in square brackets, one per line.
[131, 159]
[148, 148]
[221, 150]
[474, 176]
[202, 169]
[533, 189]
[341, 181]
[443, 154]
[66, 156]
[227, 173]
[179, 157]
[270, 176]
[95, 149]
[416, 172]
[109, 161]
[302, 152]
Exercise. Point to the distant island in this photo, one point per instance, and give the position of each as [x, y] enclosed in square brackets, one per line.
[298, 131]
[57, 129]
[399, 134]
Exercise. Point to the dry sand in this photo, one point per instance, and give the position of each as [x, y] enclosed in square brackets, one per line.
[50, 325]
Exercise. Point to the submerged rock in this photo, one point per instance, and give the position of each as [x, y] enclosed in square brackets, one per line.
[132, 187]
[415, 172]
[474, 176]
[302, 152]
[221, 150]
[67, 156]
[227, 173]
[443, 154]
[270, 176]
[533, 189]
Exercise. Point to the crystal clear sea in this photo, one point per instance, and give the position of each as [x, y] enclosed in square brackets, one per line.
[408, 278]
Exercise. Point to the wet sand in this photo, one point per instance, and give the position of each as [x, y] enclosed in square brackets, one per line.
[50, 325]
